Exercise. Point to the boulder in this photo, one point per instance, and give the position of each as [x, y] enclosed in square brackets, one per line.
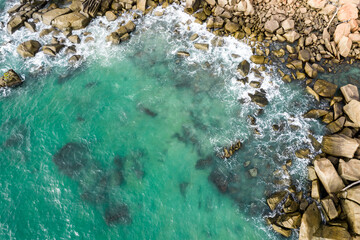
[304, 55]
[271, 26]
[257, 59]
[329, 208]
[49, 16]
[31, 26]
[244, 68]
[74, 20]
[114, 38]
[288, 24]
[74, 58]
[341, 30]
[183, 54]
[344, 46]
[315, 189]
[315, 113]
[312, 92]
[15, 23]
[352, 194]
[74, 39]
[290, 221]
[201, 46]
[310, 222]
[52, 49]
[292, 36]
[349, 170]
[325, 88]
[328, 175]
[331, 233]
[259, 98]
[232, 27]
[312, 73]
[130, 26]
[28, 48]
[350, 92]
[141, 4]
[317, 4]
[337, 125]
[337, 107]
[355, 37]
[352, 110]
[347, 12]
[352, 211]
[110, 16]
[339, 145]
[281, 230]
[10, 79]
[275, 199]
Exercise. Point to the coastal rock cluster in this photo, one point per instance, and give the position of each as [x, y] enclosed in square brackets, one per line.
[10, 79]
[334, 175]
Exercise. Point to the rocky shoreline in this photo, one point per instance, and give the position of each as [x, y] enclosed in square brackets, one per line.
[314, 36]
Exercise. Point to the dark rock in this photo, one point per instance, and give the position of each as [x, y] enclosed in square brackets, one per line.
[118, 214]
[182, 187]
[204, 163]
[219, 179]
[259, 98]
[244, 68]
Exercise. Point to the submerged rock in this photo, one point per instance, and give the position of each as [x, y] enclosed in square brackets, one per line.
[219, 179]
[118, 214]
[204, 163]
[182, 187]
[10, 79]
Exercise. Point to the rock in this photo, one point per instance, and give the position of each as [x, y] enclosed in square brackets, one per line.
[347, 11]
[130, 26]
[28, 48]
[110, 16]
[315, 113]
[317, 4]
[328, 9]
[288, 24]
[304, 55]
[125, 37]
[253, 172]
[328, 175]
[341, 30]
[201, 46]
[74, 58]
[292, 36]
[15, 23]
[194, 37]
[89, 39]
[219, 179]
[74, 39]
[312, 92]
[349, 170]
[325, 88]
[331, 233]
[183, 54]
[282, 231]
[141, 5]
[337, 125]
[302, 153]
[49, 16]
[74, 20]
[275, 199]
[31, 26]
[257, 59]
[329, 208]
[271, 26]
[355, 37]
[118, 214]
[315, 189]
[310, 222]
[45, 32]
[10, 79]
[114, 38]
[350, 92]
[52, 49]
[352, 211]
[232, 27]
[244, 68]
[352, 110]
[290, 205]
[344, 46]
[312, 73]
[290, 221]
[339, 145]
[259, 98]
[352, 194]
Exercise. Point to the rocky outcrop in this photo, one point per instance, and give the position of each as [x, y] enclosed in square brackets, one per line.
[49, 16]
[10, 79]
[28, 48]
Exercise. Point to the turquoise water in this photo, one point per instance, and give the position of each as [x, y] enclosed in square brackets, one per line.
[107, 149]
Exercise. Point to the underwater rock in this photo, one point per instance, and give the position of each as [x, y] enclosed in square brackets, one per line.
[10, 79]
[182, 187]
[219, 179]
[71, 158]
[147, 111]
[118, 214]
[204, 163]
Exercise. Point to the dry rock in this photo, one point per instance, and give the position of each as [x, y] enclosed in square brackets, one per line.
[310, 222]
[325, 88]
[339, 145]
[349, 170]
[350, 92]
[352, 110]
[328, 175]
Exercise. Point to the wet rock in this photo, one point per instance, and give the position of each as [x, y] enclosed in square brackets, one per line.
[312, 73]
[28, 48]
[219, 179]
[352, 110]
[74, 58]
[331, 232]
[337, 125]
[310, 222]
[349, 170]
[339, 145]
[290, 205]
[114, 38]
[257, 59]
[118, 214]
[232, 27]
[204, 163]
[52, 49]
[350, 92]
[259, 98]
[49, 16]
[281, 230]
[15, 23]
[130, 26]
[275, 199]
[31, 26]
[325, 88]
[271, 26]
[289, 221]
[45, 32]
[74, 20]
[110, 16]
[10, 79]
[194, 37]
[315, 113]
[302, 153]
[329, 208]
[71, 158]
[74, 39]
[89, 39]
[328, 175]
[315, 189]
[183, 54]
[315, 143]
[352, 211]
[312, 92]
[244, 68]
[201, 46]
[253, 172]
[337, 107]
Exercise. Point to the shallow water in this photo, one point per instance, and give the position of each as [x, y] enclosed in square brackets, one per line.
[107, 148]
